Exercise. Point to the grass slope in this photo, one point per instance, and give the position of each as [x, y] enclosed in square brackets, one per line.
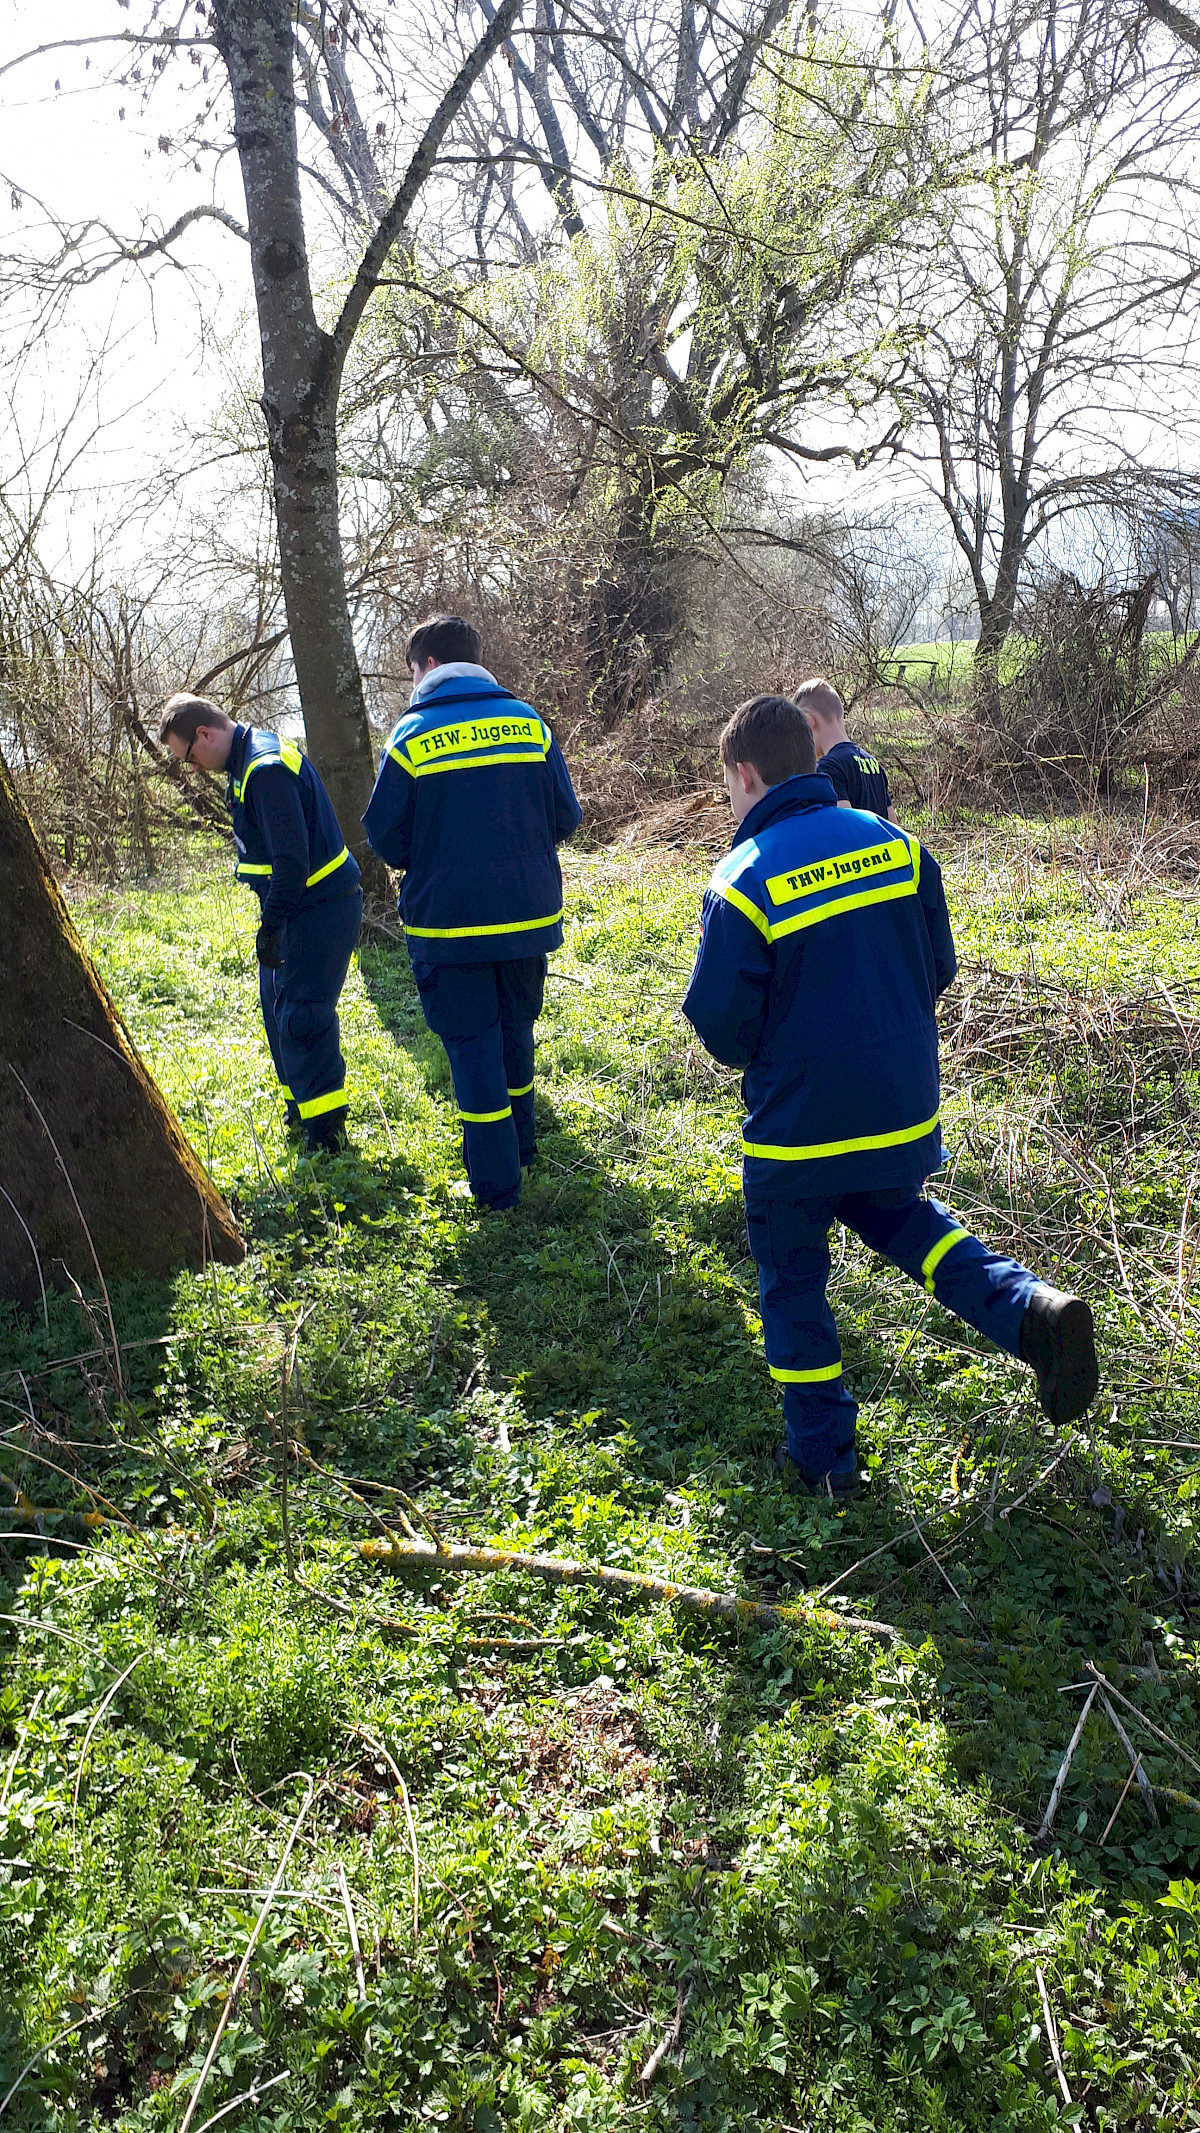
[811, 1851]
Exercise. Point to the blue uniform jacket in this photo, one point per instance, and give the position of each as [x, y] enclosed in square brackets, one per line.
[824, 944]
[290, 849]
[471, 800]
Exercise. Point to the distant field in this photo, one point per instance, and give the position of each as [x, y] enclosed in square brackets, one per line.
[937, 664]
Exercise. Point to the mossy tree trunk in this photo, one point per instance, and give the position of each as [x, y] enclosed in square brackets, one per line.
[95, 1172]
[302, 368]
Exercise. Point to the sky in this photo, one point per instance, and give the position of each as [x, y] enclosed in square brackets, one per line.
[158, 347]
[132, 374]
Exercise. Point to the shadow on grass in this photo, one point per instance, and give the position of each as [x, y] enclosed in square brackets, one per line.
[618, 1311]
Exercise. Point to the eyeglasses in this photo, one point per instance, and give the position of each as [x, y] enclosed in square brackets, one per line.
[187, 753]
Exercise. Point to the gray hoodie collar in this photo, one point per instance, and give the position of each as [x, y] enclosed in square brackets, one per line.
[452, 670]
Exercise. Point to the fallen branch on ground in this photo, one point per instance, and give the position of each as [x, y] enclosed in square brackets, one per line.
[1167, 1739]
[1147, 1789]
[669, 2039]
[1047, 1821]
[561, 1570]
[1052, 2036]
[1178, 1799]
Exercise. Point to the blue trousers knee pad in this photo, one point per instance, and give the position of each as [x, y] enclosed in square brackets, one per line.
[299, 1004]
[789, 1240]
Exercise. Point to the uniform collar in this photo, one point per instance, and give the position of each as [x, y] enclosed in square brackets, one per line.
[451, 670]
[795, 796]
[235, 761]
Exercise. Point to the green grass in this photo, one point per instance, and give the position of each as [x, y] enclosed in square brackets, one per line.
[818, 1846]
[940, 663]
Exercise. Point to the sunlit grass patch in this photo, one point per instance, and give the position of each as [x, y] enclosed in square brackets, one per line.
[816, 1845]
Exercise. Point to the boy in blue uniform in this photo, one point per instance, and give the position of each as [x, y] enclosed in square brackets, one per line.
[825, 943]
[472, 799]
[291, 851]
[858, 779]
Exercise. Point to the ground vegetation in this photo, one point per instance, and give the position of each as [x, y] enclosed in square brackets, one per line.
[480, 1850]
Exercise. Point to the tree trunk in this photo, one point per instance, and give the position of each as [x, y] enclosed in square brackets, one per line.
[96, 1177]
[299, 402]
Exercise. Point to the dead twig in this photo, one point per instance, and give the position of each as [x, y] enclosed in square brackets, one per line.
[669, 2038]
[1147, 1789]
[433, 1345]
[918, 1527]
[359, 1972]
[252, 1943]
[379, 1749]
[40, 2053]
[33, 1248]
[22, 1737]
[250, 2095]
[1052, 2035]
[1047, 1821]
[561, 1570]
[387, 1129]
[1137, 1761]
[87, 1741]
[116, 1345]
[1167, 1739]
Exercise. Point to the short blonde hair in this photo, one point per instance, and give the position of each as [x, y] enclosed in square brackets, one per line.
[818, 698]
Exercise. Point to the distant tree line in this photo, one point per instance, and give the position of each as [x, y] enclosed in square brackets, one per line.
[560, 304]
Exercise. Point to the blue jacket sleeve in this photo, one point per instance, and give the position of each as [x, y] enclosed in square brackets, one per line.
[389, 817]
[937, 922]
[567, 812]
[727, 995]
[273, 800]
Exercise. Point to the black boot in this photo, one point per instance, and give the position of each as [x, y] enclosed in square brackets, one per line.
[327, 1132]
[1058, 1341]
[836, 1488]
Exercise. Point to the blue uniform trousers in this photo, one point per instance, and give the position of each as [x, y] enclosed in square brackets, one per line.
[299, 1004]
[484, 1014]
[789, 1240]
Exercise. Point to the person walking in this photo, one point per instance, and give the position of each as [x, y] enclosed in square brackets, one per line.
[471, 802]
[291, 852]
[824, 944]
[858, 779]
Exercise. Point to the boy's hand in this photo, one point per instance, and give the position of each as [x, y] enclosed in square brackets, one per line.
[268, 946]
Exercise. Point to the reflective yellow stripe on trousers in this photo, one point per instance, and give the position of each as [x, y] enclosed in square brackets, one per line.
[933, 1259]
[334, 1101]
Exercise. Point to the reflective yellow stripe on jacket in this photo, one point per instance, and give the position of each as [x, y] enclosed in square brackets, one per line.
[457, 746]
[842, 873]
[289, 755]
[467, 933]
[246, 866]
[818, 1149]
